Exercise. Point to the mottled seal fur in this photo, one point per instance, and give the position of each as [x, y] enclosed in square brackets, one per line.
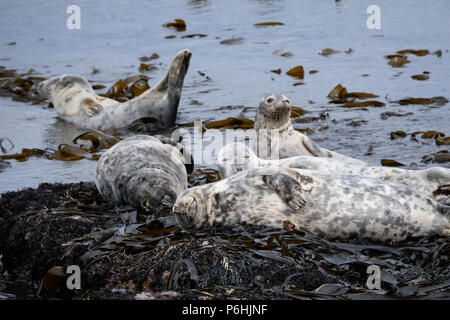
[277, 139]
[75, 101]
[329, 205]
[145, 172]
[236, 157]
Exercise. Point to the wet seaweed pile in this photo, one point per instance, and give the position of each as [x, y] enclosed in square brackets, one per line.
[44, 230]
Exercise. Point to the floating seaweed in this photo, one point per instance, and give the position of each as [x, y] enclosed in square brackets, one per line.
[296, 72]
[420, 77]
[179, 25]
[368, 103]
[268, 24]
[328, 51]
[398, 134]
[98, 140]
[397, 61]
[138, 87]
[338, 92]
[419, 53]
[388, 114]
[391, 163]
[144, 67]
[232, 41]
[282, 53]
[194, 35]
[151, 57]
[231, 123]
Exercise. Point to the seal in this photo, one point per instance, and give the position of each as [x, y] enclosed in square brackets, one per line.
[76, 102]
[237, 157]
[277, 139]
[145, 172]
[328, 205]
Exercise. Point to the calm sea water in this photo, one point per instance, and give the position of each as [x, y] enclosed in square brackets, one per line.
[114, 34]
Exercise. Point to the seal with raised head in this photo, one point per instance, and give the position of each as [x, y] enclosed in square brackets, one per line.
[237, 157]
[277, 139]
[328, 205]
[145, 172]
[75, 101]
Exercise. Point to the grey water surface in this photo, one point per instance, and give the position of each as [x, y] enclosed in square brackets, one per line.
[114, 34]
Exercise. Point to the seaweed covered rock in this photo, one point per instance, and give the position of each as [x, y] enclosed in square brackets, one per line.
[37, 222]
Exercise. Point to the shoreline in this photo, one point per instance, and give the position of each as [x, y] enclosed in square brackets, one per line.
[46, 229]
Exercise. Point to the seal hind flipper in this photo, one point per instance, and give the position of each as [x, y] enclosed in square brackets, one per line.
[287, 188]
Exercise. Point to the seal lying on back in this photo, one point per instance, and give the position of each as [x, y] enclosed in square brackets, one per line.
[236, 157]
[277, 139]
[326, 204]
[75, 101]
[143, 172]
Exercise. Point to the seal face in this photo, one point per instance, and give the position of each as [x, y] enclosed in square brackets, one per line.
[277, 139]
[329, 205]
[143, 172]
[76, 102]
[237, 157]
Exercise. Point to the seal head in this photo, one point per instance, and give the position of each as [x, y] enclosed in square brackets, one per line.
[273, 112]
[144, 172]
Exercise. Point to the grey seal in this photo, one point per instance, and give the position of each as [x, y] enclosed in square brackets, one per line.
[277, 139]
[76, 102]
[328, 205]
[237, 157]
[145, 172]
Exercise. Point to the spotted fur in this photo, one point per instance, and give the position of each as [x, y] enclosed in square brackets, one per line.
[236, 157]
[329, 205]
[76, 102]
[143, 172]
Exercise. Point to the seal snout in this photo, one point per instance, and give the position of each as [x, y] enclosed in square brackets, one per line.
[185, 211]
[187, 53]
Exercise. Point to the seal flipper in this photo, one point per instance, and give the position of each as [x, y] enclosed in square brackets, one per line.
[91, 107]
[442, 194]
[313, 149]
[287, 188]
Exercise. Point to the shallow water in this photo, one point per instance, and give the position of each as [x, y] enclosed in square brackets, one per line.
[114, 34]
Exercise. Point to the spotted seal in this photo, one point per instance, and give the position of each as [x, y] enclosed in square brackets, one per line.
[277, 139]
[145, 172]
[75, 101]
[236, 157]
[329, 205]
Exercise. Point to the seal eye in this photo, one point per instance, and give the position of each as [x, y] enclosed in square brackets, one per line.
[269, 100]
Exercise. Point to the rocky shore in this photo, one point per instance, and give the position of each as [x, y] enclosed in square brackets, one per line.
[47, 229]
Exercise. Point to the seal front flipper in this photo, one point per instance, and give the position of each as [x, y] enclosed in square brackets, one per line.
[313, 149]
[91, 107]
[442, 194]
[287, 188]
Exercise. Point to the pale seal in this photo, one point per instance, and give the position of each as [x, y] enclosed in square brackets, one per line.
[145, 172]
[328, 205]
[236, 157]
[75, 101]
[277, 139]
